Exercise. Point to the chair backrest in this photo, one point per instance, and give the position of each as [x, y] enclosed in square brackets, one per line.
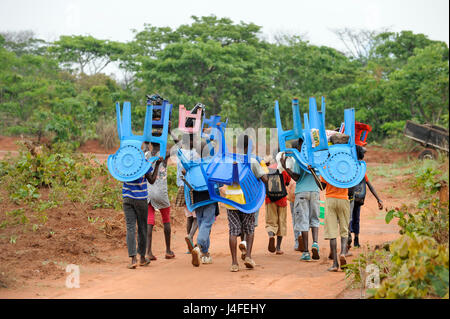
[214, 122]
[129, 163]
[296, 131]
[294, 134]
[164, 113]
[195, 179]
[337, 164]
[184, 114]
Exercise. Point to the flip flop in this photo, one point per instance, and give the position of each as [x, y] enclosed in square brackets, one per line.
[151, 257]
[280, 252]
[271, 247]
[170, 256]
[147, 261]
[334, 269]
[132, 266]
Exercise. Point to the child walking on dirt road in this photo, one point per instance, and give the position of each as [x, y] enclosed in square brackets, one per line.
[158, 199]
[359, 195]
[337, 217]
[306, 208]
[239, 223]
[135, 208]
[188, 150]
[276, 206]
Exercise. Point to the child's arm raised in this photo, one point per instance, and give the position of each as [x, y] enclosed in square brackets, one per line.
[151, 178]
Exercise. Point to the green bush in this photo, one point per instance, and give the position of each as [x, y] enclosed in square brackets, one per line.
[420, 269]
[172, 182]
[69, 176]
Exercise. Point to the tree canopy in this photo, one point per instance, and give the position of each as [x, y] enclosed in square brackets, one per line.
[59, 89]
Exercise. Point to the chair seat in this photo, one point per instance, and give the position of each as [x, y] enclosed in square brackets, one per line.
[230, 168]
[129, 163]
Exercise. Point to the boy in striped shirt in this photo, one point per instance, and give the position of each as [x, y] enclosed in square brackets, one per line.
[135, 208]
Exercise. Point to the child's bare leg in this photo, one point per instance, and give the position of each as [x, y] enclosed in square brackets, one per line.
[333, 248]
[279, 239]
[249, 240]
[194, 228]
[167, 231]
[149, 240]
[189, 221]
[233, 249]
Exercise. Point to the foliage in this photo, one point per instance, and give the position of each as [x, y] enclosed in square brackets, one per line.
[172, 182]
[70, 178]
[420, 269]
[416, 264]
[47, 89]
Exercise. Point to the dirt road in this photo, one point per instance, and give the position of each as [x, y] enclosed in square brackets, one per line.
[276, 276]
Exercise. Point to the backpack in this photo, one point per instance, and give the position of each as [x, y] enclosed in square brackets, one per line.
[359, 192]
[275, 188]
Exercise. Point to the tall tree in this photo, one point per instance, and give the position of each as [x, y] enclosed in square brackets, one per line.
[86, 52]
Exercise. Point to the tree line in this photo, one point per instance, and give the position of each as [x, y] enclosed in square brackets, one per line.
[59, 89]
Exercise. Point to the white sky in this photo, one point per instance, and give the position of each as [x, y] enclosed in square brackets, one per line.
[114, 19]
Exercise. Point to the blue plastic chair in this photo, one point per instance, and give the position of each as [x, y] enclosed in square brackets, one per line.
[213, 122]
[228, 168]
[164, 113]
[194, 180]
[319, 154]
[337, 164]
[129, 163]
[294, 134]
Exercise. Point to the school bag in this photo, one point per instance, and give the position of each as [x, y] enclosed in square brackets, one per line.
[275, 188]
[359, 192]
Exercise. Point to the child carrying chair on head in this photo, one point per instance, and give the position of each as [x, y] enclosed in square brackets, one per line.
[158, 199]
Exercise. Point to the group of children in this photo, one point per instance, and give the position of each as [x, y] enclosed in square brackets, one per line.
[141, 198]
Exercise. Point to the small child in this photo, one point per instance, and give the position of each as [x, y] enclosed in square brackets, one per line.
[191, 219]
[158, 199]
[135, 208]
[239, 223]
[276, 210]
[306, 208]
[359, 194]
[337, 217]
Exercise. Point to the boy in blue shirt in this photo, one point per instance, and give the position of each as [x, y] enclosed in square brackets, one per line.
[306, 208]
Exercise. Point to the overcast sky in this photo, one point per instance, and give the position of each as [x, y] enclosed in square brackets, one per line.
[114, 19]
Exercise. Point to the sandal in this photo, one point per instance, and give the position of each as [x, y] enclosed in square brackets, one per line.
[170, 256]
[146, 262]
[280, 252]
[333, 268]
[234, 268]
[150, 257]
[249, 263]
[132, 266]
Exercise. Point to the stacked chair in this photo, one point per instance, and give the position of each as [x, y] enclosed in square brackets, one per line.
[129, 163]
